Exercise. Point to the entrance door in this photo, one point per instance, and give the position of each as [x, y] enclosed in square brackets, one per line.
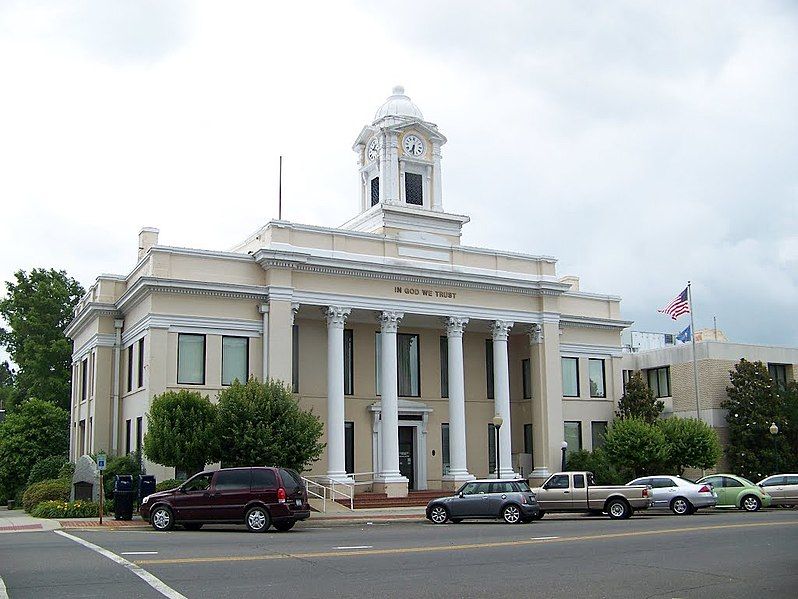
[407, 451]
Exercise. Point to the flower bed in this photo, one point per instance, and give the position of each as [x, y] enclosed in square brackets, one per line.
[66, 509]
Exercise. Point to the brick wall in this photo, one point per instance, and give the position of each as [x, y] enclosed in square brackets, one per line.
[713, 378]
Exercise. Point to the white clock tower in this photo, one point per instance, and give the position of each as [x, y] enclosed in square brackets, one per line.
[399, 163]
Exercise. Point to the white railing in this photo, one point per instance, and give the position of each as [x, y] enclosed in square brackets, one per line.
[323, 488]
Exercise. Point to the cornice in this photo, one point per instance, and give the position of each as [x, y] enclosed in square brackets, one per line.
[89, 311]
[96, 340]
[583, 349]
[568, 320]
[144, 285]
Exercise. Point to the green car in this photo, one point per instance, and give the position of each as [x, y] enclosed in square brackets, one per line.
[736, 491]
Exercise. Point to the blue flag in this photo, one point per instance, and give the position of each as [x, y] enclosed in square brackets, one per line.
[685, 335]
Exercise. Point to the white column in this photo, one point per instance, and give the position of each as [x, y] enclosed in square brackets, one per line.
[264, 310]
[501, 388]
[118, 324]
[389, 401]
[336, 457]
[458, 470]
[437, 200]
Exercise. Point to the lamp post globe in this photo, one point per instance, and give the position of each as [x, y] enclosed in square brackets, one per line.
[774, 430]
[564, 449]
[497, 424]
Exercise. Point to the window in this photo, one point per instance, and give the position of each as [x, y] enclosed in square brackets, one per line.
[408, 365]
[730, 482]
[413, 189]
[662, 483]
[502, 487]
[528, 438]
[444, 367]
[778, 372]
[570, 377]
[558, 481]
[579, 481]
[190, 359]
[291, 481]
[349, 362]
[139, 433]
[263, 479]
[349, 447]
[141, 363]
[573, 436]
[526, 378]
[596, 372]
[201, 482]
[489, 367]
[445, 448]
[84, 378]
[92, 358]
[233, 480]
[130, 368]
[295, 358]
[491, 448]
[128, 435]
[627, 376]
[597, 431]
[659, 381]
[375, 191]
[235, 359]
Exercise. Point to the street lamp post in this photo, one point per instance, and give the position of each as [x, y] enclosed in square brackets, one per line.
[497, 424]
[774, 430]
[564, 449]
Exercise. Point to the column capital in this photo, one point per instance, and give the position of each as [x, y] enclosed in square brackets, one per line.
[500, 329]
[389, 321]
[264, 308]
[119, 323]
[336, 316]
[294, 310]
[535, 333]
[455, 326]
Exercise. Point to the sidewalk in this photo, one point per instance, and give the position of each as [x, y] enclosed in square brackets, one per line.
[19, 521]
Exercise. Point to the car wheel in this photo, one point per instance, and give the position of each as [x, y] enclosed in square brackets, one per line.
[457, 520]
[162, 518]
[750, 503]
[257, 519]
[681, 507]
[284, 526]
[511, 514]
[618, 509]
[439, 514]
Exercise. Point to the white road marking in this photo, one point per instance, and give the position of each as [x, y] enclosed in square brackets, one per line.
[3, 592]
[357, 547]
[151, 580]
[542, 538]
[138, 553]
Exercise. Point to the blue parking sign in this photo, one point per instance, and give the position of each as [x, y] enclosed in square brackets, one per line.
[101, 461]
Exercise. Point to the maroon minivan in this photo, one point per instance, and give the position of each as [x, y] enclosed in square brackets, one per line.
[257, 497]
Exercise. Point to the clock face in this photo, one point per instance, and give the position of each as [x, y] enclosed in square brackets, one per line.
[413, 146]
[373, 149]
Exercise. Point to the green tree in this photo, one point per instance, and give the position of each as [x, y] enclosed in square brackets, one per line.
[35, 430]
[37, 308]
[181, 431]
[7, 391]
[787, 440]
[636, 446]
[598, 463]
[753, 403]
[261, 424]
[638, 401]
[691, 443]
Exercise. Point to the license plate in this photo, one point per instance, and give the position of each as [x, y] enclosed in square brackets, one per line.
[299, 502]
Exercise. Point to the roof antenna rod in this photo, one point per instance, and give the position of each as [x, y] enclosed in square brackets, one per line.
[280, 192]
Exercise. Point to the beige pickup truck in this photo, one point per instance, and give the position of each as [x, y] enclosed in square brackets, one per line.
[578, 492]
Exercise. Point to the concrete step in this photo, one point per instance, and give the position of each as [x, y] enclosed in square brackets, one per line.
[378, 500]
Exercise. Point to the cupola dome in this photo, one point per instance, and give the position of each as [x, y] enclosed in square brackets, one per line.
[398, 104]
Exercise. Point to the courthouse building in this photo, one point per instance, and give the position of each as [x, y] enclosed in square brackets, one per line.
[406, 342]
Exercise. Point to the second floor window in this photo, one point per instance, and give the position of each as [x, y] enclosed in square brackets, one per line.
[235, 358]
[659, 381]
[597, 376]
[190, 359]
[141, 363]
[408, 365]
[778, 372]
[570, 377]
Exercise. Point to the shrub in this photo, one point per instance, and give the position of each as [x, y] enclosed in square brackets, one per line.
[46, 490]
[168, 484]
[637, 446]
[692, 443]
[66, 509]
[599, 464]
[46, 469]
[67, 471]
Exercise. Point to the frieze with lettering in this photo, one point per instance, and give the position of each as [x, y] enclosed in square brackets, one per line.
[425, 292]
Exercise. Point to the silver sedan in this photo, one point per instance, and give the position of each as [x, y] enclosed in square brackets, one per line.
[681, 496]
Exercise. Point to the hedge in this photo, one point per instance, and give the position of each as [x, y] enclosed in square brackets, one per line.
[47, 469]
[46, 490]
[168, 484]
[66, 509]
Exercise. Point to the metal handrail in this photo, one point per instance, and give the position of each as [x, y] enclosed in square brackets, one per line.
[348, 491]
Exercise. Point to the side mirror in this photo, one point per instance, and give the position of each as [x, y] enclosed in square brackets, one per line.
[546, 486]
[460, 494]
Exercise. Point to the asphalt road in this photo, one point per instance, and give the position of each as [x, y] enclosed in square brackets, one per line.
[710, 554]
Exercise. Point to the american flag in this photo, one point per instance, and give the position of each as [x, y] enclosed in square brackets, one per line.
[678, 306]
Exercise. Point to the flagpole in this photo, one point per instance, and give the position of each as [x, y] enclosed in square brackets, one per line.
[692, 337]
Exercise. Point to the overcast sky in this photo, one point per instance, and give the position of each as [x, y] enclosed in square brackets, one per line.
[642, 144]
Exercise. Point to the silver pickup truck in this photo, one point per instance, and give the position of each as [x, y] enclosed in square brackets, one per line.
[578, 492]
